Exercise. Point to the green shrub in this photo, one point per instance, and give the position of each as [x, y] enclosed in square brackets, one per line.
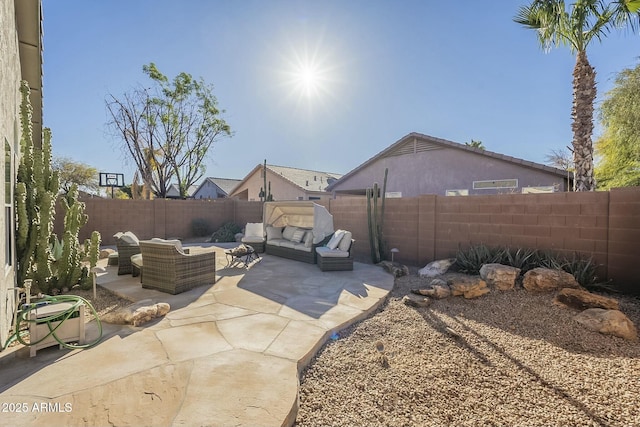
[582, 268]
[201, 227]
[226, 233]
[472, 259]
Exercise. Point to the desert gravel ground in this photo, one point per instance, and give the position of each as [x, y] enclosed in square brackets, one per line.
[505, 359]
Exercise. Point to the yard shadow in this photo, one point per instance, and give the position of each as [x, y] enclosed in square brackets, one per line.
[304, 287]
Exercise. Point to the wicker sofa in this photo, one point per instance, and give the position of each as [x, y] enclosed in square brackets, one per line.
[168, 269]
[292, 242]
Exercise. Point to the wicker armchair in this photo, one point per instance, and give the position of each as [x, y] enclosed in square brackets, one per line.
[328, 261]
[127, 245]
[167, 269]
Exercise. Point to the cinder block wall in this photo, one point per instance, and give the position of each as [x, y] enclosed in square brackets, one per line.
[605, 225]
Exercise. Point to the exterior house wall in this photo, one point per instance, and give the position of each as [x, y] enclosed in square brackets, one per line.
[438, 170]
[281, 188]
[208, 190]
[10, 76]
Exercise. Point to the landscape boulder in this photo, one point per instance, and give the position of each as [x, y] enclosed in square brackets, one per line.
[416, 300]
[582, 299]
[436, 268]
[437, 289]
[468, 286]
[104, 253]
[395, 268]
[545, 279]
[501, 277]
[137, 314]
[612, 322]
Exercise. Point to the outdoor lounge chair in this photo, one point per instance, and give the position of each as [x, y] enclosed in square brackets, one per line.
[168, 269]
[127, 244]
[254, 236]
[337, 254]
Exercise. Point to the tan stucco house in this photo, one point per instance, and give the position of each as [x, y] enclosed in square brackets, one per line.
[286, 184]
[21, 59]
[421, 164]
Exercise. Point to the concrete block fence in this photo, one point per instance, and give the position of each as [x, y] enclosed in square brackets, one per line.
[604, 225]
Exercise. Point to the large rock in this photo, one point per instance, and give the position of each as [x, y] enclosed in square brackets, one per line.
[436, 268]
[137, 314]
[395, 268]
[468, 286]
[545, 279]
[612, 322]
[104, 253]
[501, 277]
[437, 289]
[582, 300]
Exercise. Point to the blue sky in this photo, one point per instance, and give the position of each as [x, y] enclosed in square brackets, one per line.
[452, 70]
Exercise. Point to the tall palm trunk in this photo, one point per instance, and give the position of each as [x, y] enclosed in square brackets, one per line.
[584, 95]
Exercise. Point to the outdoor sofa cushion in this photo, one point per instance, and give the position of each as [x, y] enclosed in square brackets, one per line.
[274, 233]
[325, 251]
[335, 240]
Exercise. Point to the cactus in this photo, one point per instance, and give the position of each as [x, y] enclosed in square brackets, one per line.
[264, 196]
[70, 267]
[49, 262]
[35, 195]
[375, 220]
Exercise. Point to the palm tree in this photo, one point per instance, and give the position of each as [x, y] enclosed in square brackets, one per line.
[577, 27]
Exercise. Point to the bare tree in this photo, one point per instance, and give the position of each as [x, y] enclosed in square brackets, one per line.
[167, 129]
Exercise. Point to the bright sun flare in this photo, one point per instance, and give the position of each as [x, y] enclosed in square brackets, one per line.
[308, 80]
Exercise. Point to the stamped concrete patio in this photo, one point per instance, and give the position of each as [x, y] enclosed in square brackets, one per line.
[225, 355]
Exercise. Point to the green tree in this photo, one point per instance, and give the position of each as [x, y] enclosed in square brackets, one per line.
[71, 172]
[618, 148]
[576, 27]
[168, 129]
[475, 144]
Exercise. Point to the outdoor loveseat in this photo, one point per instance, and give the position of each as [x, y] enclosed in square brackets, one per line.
[294, 229]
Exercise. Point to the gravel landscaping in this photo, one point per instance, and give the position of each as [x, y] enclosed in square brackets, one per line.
[505, 359]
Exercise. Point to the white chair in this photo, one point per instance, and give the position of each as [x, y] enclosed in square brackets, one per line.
[254, 236]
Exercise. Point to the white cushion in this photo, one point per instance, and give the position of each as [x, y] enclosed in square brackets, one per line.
[254, 229]
[129, 238]
[176, 243]
[288, 232]
[325, 252]
[287, 244]
[308, 239]
[301, 247]
[275, 242]
[252, 239]
[345, 242]
[335, 239]
[297, 235]
[274, 233]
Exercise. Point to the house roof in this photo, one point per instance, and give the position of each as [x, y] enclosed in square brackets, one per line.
[225, 184]
[174, 190]
[305, 179]
[405, 146]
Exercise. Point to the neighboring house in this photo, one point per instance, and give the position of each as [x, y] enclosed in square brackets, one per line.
[173, 192]
[215, 188]
[286, 184]
[21, 53]
[421, 164]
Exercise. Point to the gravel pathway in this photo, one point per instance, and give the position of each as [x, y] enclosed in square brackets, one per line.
[505, 359]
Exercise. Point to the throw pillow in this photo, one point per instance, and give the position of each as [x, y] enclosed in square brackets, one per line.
[335, 240]
[129, 238]
[308, 239]
[297, 236]
[253, 229]
[274, 233]
[345, 242]
[288, 232]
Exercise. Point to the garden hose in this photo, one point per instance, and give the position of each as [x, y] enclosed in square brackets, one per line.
[59, 318]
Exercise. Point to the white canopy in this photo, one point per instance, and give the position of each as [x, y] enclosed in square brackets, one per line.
[299, 214]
